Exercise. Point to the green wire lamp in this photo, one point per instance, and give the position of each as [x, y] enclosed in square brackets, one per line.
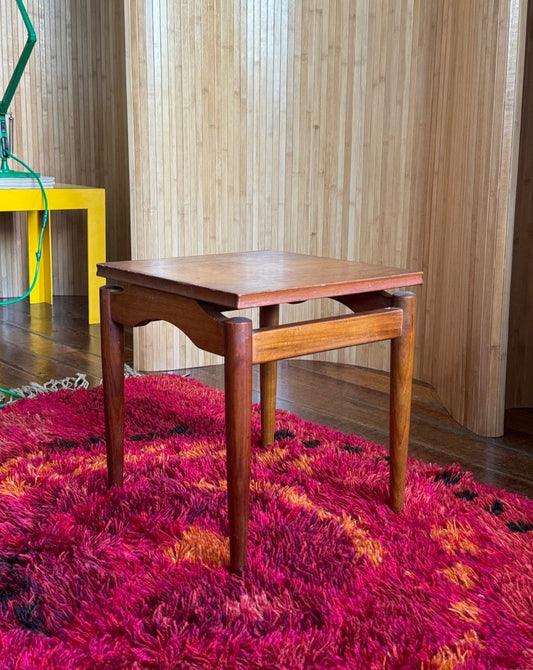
[5, 171]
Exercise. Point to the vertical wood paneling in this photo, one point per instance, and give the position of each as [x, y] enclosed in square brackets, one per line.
[302, 137]
[376, 131]
[520, 356]
[13, 275]
[384, 132]
[70, 122]
[475, 129]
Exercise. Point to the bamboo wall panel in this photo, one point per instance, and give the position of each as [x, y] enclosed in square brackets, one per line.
[70, 122]
[475, 122]
[520, 356]
[378, 131]
[13, 258]
[276, 125]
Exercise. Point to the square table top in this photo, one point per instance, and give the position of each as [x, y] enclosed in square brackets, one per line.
[257, 278]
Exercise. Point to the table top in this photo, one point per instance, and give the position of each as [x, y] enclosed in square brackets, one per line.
[257, 278]
[61, 196]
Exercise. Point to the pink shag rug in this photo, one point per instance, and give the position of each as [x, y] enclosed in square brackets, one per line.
[136, 577]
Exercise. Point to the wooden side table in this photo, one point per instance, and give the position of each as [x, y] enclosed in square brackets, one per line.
[62, 196]
[194, 292]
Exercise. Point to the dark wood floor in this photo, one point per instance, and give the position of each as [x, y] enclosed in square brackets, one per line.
[38, 343]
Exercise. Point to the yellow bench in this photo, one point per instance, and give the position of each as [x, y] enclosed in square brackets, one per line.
[61, 197]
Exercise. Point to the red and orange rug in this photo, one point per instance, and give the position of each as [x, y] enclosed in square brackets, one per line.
[135, 577]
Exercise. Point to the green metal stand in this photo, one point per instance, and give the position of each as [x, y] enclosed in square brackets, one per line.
[5, 171]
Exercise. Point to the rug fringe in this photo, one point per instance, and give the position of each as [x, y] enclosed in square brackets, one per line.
[79, 381]
[34, 388]
[131, 372]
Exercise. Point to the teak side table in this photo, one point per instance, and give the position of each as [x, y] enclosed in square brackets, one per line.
[194, 292]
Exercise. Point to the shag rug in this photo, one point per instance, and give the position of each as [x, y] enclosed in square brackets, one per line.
[136, 577]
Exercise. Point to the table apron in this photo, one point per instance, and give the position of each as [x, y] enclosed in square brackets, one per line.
[309, 337]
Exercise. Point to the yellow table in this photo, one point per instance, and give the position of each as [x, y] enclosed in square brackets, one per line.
[62, 196]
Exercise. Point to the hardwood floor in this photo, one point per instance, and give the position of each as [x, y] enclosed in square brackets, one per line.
[39, 342]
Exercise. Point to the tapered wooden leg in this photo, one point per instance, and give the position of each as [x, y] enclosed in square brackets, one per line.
[238, 388]
[401, 376]
[112, 343]
[268, 376]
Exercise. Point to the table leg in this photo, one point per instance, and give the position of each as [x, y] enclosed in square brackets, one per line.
[42, 291]
[96, 250]
[112, 343]
[401, 376]
[238, 391]
[268, 375]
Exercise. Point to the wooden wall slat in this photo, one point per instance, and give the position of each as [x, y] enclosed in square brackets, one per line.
[299, 139]
[392, 140]
[13, 276]
[474, 122]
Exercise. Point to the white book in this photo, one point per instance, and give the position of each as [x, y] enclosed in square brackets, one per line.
[26, 182]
